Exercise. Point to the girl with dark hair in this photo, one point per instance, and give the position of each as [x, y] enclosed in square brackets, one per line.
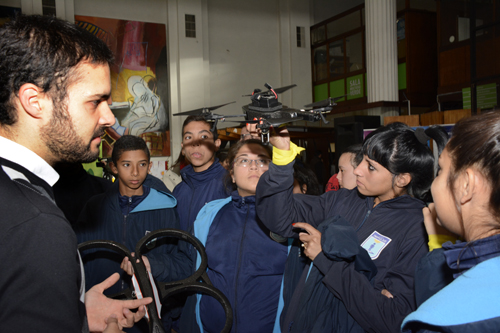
[361, 242]
[243, 261]
[305, 180]
[466, 195]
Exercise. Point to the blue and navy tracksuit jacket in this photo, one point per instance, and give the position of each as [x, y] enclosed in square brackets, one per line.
[102, 218]
[243, 262]
[468, 303]
[197, 189]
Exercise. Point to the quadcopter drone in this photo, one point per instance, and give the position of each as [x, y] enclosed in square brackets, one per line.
[266, 111]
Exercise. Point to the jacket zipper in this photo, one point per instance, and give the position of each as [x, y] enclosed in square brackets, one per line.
[124, 233]
[239, 268]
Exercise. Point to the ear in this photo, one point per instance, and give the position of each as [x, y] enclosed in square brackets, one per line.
[182, 149]
[33, 100]
[217, 144]
[403, 179]
[304, 188]
[150, 165]
[113, 168]
[465, 185]
[232, 176]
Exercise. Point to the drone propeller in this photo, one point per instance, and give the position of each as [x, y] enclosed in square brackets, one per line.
[326, 102]
[270, 90]
[283, 89]
[201, 111]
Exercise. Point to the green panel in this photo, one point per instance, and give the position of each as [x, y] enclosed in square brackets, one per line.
[466, 101]
[402, 76]
[486, 96]
[337, 88]
[355, 87]
[91, 168]
[366, 85]
[320, 92]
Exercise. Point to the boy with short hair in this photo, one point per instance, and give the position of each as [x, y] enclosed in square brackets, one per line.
[203, 178]
[127, 212]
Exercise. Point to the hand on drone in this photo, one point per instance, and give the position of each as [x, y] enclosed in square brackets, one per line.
[280, 138]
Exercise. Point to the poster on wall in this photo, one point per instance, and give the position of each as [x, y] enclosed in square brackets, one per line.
[139, 80]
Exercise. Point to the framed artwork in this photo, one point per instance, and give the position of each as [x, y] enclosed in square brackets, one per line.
[139, 80]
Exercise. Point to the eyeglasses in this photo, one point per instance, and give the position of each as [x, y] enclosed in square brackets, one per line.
[246, 162]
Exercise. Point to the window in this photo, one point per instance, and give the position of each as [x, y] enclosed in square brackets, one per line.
[301, 37]
[190, 26]
[49, 7]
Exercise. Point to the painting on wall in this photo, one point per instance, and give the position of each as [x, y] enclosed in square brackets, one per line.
[139, 80]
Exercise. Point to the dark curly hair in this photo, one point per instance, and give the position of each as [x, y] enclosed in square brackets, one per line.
[44, 51]
[128, 143]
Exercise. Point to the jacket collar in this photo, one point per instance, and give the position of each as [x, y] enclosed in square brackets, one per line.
[196, 178]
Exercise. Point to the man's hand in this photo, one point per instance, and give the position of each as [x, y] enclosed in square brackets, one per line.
[101, 308]
[252, 132]
[311, 239]
[112, 325]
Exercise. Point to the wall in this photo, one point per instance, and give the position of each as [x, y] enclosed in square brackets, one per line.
[239, 46]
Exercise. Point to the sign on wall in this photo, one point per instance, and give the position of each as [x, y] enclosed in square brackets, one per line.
[355, 87]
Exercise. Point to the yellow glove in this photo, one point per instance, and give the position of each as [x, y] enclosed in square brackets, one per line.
[284, 157]
[437, 241]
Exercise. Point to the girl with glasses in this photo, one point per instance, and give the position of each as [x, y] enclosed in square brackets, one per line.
[244, 262]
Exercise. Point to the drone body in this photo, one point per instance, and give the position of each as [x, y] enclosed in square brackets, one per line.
[266, 111]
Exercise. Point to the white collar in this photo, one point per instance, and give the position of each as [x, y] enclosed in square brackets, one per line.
[21, 155]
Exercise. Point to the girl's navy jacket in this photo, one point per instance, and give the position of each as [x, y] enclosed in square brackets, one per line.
[243, 262]
[392, 233]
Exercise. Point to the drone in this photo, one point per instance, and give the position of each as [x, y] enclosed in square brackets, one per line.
[266, 111]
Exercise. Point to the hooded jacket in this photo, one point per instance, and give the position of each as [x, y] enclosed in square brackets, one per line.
[102, 218]
[197, 189]
[467, 304]
[244, 263]
[392, 233]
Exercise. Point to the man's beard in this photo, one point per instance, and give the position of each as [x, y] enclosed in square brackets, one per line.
[63, 141]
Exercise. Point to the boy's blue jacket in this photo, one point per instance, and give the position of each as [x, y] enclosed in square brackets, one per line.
[197, 189]
[102, 218]
[243, 262]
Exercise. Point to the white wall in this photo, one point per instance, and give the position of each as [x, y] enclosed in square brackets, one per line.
[239, 46]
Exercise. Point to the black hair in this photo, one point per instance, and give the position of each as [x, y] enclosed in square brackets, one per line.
[231, 155]
[357, 153]
[475, 142]
[44, 51]
[202, 119]
[398, 149]
[305, 176]
[128, 143]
